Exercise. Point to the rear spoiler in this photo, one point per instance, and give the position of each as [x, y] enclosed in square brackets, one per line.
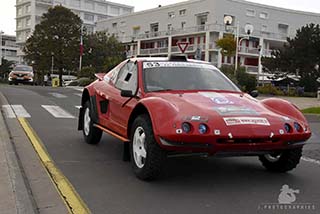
[100, 76]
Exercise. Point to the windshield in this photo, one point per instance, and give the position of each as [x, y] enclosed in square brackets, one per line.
[160, 76]
[23, 68]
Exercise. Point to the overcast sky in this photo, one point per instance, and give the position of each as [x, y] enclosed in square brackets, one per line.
[8, 13]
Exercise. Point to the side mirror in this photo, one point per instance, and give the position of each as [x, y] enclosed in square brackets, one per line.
[254, 93]
[126, 93]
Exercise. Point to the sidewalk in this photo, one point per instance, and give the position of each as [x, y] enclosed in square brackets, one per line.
[301, 102]
[14, 195]
[25, 185]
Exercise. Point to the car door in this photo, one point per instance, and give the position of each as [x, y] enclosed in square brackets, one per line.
[127, 80]
[114, 114]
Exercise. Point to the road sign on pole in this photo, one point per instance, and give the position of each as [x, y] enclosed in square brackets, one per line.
[183, 46]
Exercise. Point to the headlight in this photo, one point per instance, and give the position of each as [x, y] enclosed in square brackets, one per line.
[30, 74]
[287, 127]
[186, 127]
[203, 128]
[297, 127]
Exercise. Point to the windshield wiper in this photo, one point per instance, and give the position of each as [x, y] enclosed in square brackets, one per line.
[162, 90]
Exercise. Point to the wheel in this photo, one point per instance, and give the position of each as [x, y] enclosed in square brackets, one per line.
[147, 158]
[92, 135]
[10, 83]
[281, 161]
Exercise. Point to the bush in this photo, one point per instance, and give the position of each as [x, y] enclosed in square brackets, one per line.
[270, 90]
[87, 72]
[247, 82]
[84, 81]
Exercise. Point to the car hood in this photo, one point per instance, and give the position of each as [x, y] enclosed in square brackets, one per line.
[221, 110]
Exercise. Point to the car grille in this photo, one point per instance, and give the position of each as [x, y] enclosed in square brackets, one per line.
[246, 140]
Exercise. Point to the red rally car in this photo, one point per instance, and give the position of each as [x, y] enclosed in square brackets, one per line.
[174, 106]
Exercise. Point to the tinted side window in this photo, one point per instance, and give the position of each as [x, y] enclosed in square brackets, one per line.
[127, 77]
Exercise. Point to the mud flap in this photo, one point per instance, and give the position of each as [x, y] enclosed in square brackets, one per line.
[81, 114]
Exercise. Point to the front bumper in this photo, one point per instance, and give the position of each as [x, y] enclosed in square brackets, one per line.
[233, 147]
[20, 80]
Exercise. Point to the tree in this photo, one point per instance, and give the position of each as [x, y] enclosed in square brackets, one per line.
[5, 67]
[58, 36]
[299, 56]
[102, 52]
[228, 45]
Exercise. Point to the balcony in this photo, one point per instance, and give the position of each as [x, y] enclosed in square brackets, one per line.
[46, 2]
[154, 51]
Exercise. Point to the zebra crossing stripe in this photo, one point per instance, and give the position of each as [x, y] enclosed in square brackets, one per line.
[8, 112]
[78, 94]
[57, 95]
[78, 107]
[20, 111]
[57, 112]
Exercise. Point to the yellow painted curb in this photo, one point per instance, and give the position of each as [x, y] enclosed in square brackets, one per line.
[69, 195]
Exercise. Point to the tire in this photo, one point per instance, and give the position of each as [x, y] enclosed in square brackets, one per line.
[283, 161]
[92, 135]
[10, 83]
[149, 163]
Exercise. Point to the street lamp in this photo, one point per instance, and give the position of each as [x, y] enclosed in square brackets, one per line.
[1, 33]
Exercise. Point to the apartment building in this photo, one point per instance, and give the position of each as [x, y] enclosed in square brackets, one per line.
[201, 23]
[8, 48]
[29, 12]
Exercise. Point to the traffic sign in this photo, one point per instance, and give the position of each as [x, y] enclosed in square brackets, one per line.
[183, 46]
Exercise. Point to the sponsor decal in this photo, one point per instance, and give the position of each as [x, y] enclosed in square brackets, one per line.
[222, 100]
[147, 65]
[235, 110]
[281, 131]
[233, 121]
[197, 118]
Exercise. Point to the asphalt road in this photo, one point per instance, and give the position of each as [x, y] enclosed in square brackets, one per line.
[188, 185]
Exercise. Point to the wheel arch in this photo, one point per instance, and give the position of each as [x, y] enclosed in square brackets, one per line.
[138, 110]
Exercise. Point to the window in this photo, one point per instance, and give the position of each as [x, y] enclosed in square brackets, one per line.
[122, 24]
[183, 25]
[28, 22]
[127, 77]
[171, 15]
[88, 17]
[114, 10]
[264, 28]
[250, 12]
[28, 8]
[170, 27]
[75, 3]
[89, 5]
[283, 28]
[89, 28]
[19, 24]
[182, 12]
[19, 11]
[264, 15]
[136, 30]
[114, 25]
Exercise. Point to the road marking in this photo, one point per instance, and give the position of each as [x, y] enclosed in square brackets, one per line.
[8, 112]
[20, 111]
[78, 107]
[57, 112]
[78, 94]
[310, 160]
[57, 95]
[67, 192]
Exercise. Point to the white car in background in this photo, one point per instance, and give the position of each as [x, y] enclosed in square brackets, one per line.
[21, 74]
